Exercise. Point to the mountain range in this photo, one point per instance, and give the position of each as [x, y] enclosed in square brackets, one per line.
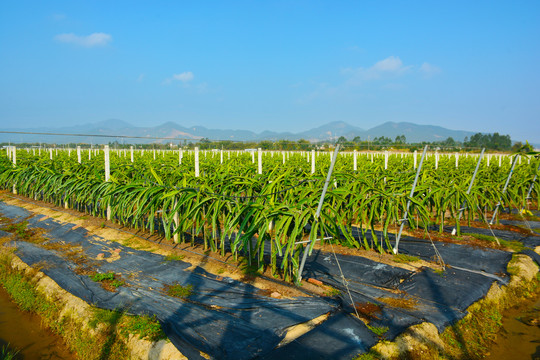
[170, 130]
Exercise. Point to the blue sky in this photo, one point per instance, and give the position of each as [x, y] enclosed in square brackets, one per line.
[272, 65]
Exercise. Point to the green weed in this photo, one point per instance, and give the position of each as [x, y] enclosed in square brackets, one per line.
[102, 277]
[371, 355]
[332, 292]
[147, 327]
[513, 245]
[19, 229]
[22, 292]
[378, 330]
[404, 258]
[8, 354]
[117, 283]
[103, 316]
[180, 291]
[173, 257]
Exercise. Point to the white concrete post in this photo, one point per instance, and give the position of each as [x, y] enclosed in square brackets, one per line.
[132, 153]
[355, 162]
[313, 161]
[196, 161]
[221, 156]
[283, 153]
[50, 153]
[386, 160]
[79, 154]
[436, 160]
[259, 169]
[415, 155]
[14, 159]
[176, 223]
[107, 175]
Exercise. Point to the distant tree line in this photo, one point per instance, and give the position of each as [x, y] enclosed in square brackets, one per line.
[489, 141]
[493, 141]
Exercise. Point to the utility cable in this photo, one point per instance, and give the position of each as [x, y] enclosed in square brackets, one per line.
[344, 281]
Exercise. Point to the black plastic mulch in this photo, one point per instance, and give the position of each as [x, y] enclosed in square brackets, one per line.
[229, 319]
[224, 318]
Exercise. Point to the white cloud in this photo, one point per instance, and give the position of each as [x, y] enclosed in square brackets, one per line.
[58, 17]
[391, 66]
[140, 78]
[387, 74]
[92, 40]
[183, 77]
[429, 70]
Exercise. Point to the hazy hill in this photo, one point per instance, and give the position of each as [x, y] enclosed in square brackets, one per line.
[170, 130]
[415, 132]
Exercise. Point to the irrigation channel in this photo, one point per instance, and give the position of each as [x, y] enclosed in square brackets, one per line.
[519, 337]
[235, 264]
[23, 333]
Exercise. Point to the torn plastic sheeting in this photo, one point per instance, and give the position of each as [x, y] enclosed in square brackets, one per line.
[501, 234]
[489, 260]
[492, 261]
[211, 291]
[441, 298]
[252, 320]
[522, 223]
[452, 288]
[13, 212]
[339, 337]
[396, 318]
[356, 268]
[165, 271]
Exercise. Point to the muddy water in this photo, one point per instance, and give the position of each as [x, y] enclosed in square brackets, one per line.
[23, 332]
[519, 337]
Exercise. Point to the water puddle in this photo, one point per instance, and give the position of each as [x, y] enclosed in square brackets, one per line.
[23, 332]
[519, 337]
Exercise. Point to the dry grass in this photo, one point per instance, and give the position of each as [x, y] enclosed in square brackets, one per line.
[401, 302]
